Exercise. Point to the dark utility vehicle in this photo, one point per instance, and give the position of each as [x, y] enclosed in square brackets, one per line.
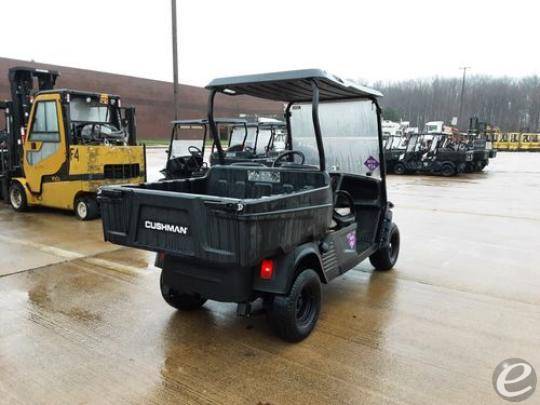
[394, 146]
[243, 232]
[259, 142]
[477, 140]
[440, 154]
[185, 156]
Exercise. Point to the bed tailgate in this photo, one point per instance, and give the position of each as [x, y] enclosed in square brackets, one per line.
[162, 221]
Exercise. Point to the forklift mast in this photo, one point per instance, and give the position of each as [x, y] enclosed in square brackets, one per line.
[24, 83]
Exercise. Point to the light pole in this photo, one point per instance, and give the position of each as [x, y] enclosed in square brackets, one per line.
[175, 59]
[464, 68]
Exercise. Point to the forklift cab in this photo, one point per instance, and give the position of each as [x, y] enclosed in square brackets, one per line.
[63, 126]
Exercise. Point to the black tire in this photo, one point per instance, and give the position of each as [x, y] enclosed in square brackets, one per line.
[86, 208]
[447, 170]
[184, 302]
[399, 168]
[17, 197]
[385, 258]
[294, 316]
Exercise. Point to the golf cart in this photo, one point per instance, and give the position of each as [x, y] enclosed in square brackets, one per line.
[394, 146]
[260, 142]
[248, 231]
[439, 154]
[185, 156]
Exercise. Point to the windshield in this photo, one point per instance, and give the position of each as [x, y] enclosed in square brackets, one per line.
[395, 142]
[82, 110]
[238, 135]
[350, 135]
[94, 123]
[412, 145]
[185, 136]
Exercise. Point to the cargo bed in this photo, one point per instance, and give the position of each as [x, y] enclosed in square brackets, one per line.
[232, 215]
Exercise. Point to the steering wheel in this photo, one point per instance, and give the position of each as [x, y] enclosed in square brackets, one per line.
[194, 151]
[289, 153]
[92, 134]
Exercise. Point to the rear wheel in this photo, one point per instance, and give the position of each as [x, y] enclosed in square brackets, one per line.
[86, 208]
[294, 316]
[17, 197]
[177, 299]
[399, 168]
[385, 258]
[448, 170]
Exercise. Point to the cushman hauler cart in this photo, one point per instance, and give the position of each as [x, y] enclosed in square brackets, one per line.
[243, 232]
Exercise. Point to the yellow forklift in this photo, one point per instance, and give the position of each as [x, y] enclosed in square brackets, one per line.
[60, 146]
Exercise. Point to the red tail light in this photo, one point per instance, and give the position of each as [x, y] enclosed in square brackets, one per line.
[267, 269]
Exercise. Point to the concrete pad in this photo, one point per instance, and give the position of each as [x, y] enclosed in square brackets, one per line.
[92, 326]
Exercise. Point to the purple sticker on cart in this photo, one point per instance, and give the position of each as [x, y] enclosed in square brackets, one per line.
[351, 239]
[371, 163]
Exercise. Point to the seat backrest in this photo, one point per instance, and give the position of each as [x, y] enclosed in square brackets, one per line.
[257, 182]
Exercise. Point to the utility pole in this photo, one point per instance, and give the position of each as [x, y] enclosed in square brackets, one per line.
[464, 68]
[175, 58]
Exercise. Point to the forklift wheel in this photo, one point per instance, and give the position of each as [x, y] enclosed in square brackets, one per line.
[294, 316]
[399, 168]
[386, 257]
[17, 197]
[86, 208]
[186, 302]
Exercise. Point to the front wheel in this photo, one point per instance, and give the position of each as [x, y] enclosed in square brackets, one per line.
[17, 197]
[177, 299]
[399, 168]
[86, 208]
[448, 170]
[294, 316]
[386, 257]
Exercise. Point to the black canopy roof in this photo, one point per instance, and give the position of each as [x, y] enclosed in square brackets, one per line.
[291, 86]
[231, 121]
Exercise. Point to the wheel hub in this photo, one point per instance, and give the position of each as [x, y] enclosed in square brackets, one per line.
[16, 198]
[82, 211]
[304, 306]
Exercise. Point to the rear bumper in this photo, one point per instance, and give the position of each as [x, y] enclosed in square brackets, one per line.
[215, 282]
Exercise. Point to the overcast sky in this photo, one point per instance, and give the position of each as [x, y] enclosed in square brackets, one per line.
[372, 40]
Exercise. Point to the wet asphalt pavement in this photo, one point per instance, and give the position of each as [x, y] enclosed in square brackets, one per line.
[82, 321]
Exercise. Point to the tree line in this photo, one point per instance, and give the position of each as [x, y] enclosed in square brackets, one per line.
[512, 104]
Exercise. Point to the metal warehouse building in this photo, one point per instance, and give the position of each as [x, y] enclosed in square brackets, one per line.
[152, 98]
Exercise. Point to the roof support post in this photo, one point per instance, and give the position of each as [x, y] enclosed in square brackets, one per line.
[382, 162]
[213, 127]
[317, 125]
